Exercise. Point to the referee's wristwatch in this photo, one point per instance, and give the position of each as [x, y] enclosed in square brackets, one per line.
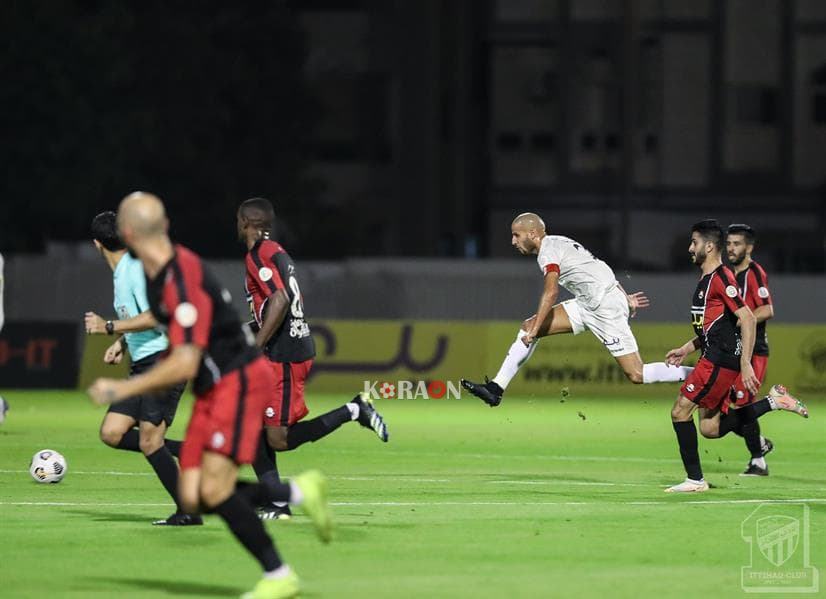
[110, 327]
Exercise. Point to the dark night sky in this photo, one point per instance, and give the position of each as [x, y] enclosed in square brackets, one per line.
[204, 107]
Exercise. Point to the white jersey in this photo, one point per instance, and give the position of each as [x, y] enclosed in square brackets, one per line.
[584, 276]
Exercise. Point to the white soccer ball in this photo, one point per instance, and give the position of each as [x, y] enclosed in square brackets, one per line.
[4, 407]
[48, 466]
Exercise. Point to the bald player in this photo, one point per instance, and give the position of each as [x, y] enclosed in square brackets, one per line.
[232, 382]
[600, 305]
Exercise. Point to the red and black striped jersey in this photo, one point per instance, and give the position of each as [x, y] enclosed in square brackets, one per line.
[712, 315]
[189, 302]
[754, 289]
[269, 269]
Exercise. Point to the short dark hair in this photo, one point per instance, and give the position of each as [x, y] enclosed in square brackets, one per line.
[105, 230]
[711, 231]
[742, 229]
[259, 211]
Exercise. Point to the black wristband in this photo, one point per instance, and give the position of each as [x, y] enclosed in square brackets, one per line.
[110, 327]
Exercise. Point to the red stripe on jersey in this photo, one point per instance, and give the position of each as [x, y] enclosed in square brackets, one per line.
[552, 268]
[187, 303]
[760, 282]
[726, 285]
[261, 261]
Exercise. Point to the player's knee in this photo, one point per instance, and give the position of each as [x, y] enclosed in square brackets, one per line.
[679, 414]
[150, 441]
[111, 436]
[214, 492]
[709, 429]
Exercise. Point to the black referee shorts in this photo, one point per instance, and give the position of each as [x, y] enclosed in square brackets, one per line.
[154, 408]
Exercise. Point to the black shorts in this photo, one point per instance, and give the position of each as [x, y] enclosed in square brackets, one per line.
[154, 407]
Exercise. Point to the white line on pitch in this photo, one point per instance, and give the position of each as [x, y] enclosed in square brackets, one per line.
[565, 482]
[353, 478]
[452, 503]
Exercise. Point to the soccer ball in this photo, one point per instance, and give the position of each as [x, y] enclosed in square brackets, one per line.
[4, 407]
[48, 466]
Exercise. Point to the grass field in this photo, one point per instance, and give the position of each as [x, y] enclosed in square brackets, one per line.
[537, 498]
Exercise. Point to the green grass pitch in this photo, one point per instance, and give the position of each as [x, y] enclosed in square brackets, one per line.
[536, 498]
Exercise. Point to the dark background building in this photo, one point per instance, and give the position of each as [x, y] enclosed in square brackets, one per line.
[420, 127]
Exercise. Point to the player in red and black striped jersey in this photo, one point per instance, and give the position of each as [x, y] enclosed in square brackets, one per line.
[716, 309]
[753, 285]
[232, 383]
[283, 334]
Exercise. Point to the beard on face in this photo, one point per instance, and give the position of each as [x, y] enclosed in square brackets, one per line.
[699, 257]
[736, 259]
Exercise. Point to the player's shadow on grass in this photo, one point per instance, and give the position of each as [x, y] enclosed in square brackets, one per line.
[172, 587]
[99, 516]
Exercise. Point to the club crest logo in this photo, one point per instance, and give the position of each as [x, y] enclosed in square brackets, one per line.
[690, 388]
[186, 314]
[731, 291]
[264, 273]
[270, 412]
[217, 441]
[777, 538]
[763, 292]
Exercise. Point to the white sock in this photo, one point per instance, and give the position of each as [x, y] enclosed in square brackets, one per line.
[660, 372]
[296, 496]
[354, 408]
[759, 462]
[280, 572]
[518, 354]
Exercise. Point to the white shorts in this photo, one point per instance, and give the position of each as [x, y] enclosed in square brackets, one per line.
[609, 322]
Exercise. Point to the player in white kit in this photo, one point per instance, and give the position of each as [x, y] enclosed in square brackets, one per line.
[600, 305]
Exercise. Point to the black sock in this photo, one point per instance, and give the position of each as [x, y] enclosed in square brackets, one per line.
[165, 467]
[755, 410]
[689, 449]
[174, 447]
[751, 435]
[731, 422]
[249, 530]
[131, 440]
[263, 493]
[313, 430]
[265, 464]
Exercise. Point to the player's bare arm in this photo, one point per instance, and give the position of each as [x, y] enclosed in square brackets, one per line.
[546, 305]
[276, 311]
[748, 333]
[96, 325]
[636, 300]
[763, 313]
[181, 365]
[676, 356]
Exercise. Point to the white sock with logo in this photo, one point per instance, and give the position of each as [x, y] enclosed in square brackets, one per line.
[518, 354]
[660, 372]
